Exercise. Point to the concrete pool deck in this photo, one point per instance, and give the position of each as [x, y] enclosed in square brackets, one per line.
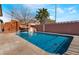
[11, 44]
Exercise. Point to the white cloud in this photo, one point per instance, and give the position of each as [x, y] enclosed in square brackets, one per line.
[52, 17]
[59, 10]
[72, 10]
[5, 17]
[52, 9]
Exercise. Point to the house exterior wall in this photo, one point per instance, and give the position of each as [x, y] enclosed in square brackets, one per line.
[12, 26]
[0, 10]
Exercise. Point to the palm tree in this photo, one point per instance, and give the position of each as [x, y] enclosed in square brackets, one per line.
[42, 15]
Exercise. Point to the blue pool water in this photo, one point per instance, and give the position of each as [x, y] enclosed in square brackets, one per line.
[52, 43]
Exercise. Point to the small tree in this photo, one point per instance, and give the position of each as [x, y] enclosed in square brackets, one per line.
[42, 15]
[21, 13]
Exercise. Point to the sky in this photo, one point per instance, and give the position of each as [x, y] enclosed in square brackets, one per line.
[65, 12]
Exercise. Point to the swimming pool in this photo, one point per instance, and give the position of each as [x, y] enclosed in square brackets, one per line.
[51, 43]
